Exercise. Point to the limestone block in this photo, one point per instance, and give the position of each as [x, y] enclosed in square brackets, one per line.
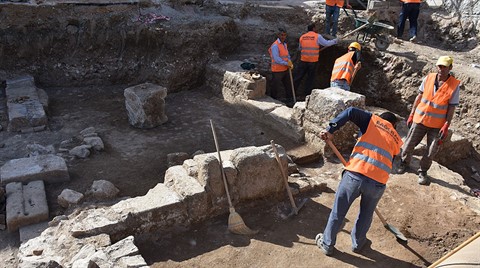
[258, 172]
[94, 142]
[191, 167]
[145, 104]
[193, 194]
[160, 208]
[49, 168]
[103, 189]
[324, 105]
[68, 197]
[82, 151]
[26, 204]
[25, 111]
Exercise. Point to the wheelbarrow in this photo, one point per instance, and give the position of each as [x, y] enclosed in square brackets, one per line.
[371, 30]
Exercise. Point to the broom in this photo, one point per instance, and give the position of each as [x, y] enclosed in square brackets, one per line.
[235, 221]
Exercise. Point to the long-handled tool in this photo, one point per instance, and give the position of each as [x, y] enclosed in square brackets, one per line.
[291, 84]
[389, 227]
[295, 208]
[235, 221]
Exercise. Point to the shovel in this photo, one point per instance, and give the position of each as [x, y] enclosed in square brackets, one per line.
[389, 227]
[235, 221]
[295, 208]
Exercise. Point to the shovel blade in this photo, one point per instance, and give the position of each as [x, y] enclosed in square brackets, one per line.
[396, 232]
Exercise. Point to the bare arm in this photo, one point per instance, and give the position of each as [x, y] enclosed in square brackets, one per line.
[415, 103]
[450, 113]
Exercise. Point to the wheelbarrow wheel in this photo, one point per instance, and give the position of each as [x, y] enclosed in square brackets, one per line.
[381, 42]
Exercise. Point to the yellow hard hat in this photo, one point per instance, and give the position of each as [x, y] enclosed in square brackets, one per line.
[355, 45]
[445, 61]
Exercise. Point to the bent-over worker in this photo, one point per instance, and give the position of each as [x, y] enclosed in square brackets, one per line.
[365, 175]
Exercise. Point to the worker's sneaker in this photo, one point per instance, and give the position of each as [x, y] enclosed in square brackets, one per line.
[325, 249]
[423, 178]
[365, 245]
[402, 166]
[413, 38]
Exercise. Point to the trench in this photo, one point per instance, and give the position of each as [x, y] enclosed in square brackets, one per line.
[104, 49]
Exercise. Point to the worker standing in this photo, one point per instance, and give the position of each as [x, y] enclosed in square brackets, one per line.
[365, 175]
[431, 115]
[346, 67]
[410, 11]
[309, 46]
[332, 12]
[280, 63]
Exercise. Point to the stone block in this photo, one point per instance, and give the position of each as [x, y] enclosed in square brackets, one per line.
[32, 231]
[25, 111]
[145, 104]
[49, 168]
[26, 204]
[324, 105]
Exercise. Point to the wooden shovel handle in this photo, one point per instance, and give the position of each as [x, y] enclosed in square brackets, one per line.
[285, 177]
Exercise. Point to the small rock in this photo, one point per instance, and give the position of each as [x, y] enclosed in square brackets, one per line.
[476, 177]
[37, 252]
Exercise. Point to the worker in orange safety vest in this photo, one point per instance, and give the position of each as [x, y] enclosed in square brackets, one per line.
[431, 115]
[410, 11]
[366, 174]
[346, 67]
[332, 12]
[309, 46]
[280, 63]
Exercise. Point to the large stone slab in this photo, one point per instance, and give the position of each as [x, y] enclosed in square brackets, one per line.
[25, 111]
[324, 105]
[26, 204]
[160, 208]
[49, 168]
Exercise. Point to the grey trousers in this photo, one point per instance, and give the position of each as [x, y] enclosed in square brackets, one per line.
[414, 137]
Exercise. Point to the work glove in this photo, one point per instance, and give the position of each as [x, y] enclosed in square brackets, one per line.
[410, 120]
[443, 131]
[290, 64]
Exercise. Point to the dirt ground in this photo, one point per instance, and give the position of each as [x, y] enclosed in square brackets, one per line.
[135, 161]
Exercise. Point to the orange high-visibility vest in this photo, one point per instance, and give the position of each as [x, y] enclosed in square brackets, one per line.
[432, 109]
[283, 51]
[373, 153]
[338, 3]
[412, 1]
[343, 68]
[310, 48]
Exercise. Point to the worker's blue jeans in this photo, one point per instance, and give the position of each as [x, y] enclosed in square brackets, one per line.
[331, 19]
[409, 11]
[343, 84]
[352, 186]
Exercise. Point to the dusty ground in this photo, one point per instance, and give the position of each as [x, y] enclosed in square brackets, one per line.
[135, 160]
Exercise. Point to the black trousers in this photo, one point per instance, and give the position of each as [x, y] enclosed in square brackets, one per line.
[305, 68]
[281, 81]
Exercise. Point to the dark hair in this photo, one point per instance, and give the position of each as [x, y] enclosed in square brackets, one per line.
[390, 117]
[310, 27]
[282, 30]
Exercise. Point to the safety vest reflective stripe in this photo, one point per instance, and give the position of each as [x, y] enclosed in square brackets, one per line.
[372, 161]
[310, 48]
[373, 154]
[411, 1]
[283, 53]
[343, 68]
[375, 149]
[338, 3]
[433, 107]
